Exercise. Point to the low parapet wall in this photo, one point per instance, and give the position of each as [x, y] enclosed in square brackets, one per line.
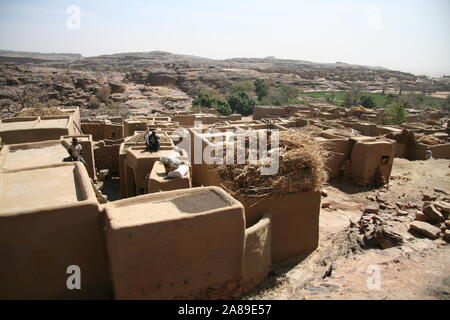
[257, 253]
[418, 151]
[295, 221]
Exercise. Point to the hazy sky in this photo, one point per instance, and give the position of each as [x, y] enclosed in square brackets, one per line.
[406, 35]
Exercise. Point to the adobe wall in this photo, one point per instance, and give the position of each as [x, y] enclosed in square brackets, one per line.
[33, 135]
[107, 156]
[367, 159]
[88, 152]
[185, 120]
[97, 130]
[340, 150]
[269, 112]
[257, 253]
[366, 129]
[418, 151]
[402, 150]
[159, 181]
[113, 131]
[38, 245]
[295, 221]
[130, 126]
[198, 253]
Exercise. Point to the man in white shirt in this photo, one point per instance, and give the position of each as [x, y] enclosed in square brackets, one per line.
[76, 151]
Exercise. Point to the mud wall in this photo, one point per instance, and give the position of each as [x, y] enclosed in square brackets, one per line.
[418, 151]
[192, 256]
[368, 159]
[107, 156]
[257, 253]
[269, 112]
[340, 151]
[295, 221]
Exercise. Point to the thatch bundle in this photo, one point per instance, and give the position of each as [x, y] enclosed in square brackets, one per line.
[34, 112]
[429, 140]
[301, 168]
[137, 138]
[360, 110]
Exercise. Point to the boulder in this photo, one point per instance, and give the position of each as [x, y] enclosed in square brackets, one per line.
[425, 229]
[326, 204]
[116, 87]
[427, 197]
[401, 213]
[447, 224]
[443, 207]
[446, 235]
[434, 214]
[372, 208]
[421, 217]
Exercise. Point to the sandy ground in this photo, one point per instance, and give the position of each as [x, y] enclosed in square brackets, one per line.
[418, 269]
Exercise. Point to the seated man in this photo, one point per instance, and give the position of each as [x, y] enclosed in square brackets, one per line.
[151, 141]
[75, 152]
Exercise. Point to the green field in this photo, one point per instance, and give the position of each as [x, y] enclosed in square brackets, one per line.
[379, 98]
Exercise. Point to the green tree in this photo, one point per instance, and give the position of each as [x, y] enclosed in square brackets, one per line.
[446, 103]
[284, 94]
[241, 102]
[224, 108]
[390, 98]
[246, 86]
[289, 92]
[350, 98]
[261, 88]
[394, 113]
[367, 102]
[209, 100]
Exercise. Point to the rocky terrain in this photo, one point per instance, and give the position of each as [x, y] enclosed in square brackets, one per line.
[142, 83]
[389, 243]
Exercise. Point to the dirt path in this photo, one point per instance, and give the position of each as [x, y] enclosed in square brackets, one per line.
[340, 269]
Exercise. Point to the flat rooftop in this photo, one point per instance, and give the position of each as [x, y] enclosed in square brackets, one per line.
[34, 155]
[35, 124]
[166, 206]
[39, 188]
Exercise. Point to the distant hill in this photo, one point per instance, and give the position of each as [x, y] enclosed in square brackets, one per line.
[40, 56]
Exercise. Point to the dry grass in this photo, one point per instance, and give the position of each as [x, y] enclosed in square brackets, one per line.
[429, 140]
[34, 112]
[360, 110]
[302, 168]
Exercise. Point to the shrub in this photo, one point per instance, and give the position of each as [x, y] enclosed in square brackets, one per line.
[394, 113]
[103, 93]
[94, 102]
[284, 94]
[241, 102]
[208, 100]
[261, 88]
[246, 86]
[330, 97]
[350, 98]
[367, 102]
[224, 108]
[446, 104]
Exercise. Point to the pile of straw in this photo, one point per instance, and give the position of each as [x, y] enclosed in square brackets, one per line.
[301, 168]
[34, 112]
[429, 140]
[137, 138]
[360, 110]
